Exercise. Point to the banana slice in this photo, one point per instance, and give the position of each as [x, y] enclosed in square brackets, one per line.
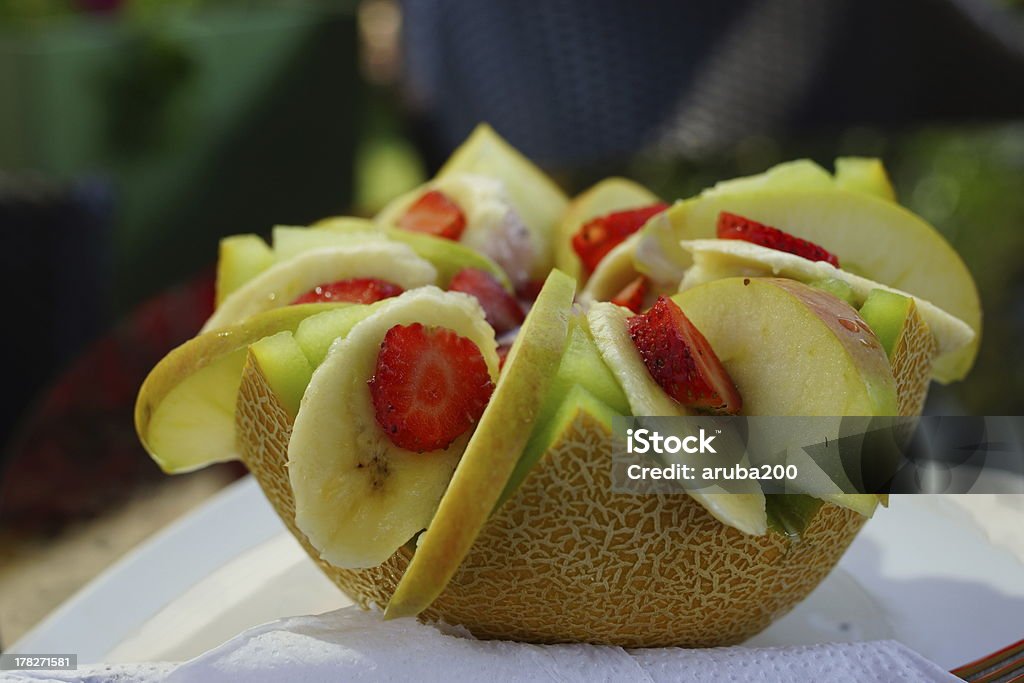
[358, 497]
[282, 283]
[744, 511]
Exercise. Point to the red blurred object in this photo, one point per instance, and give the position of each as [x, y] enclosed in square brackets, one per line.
[600, 235]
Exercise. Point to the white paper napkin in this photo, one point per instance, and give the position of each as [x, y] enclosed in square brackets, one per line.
[352, 645]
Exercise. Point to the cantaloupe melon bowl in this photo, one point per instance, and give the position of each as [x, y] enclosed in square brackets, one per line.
[427, 398]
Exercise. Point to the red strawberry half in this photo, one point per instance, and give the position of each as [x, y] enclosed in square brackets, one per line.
[429, 387]
[681, 361]
[435, 214]
[501, 308]
[733, 227]
[598, 236]
[632, 295]
[358, 290]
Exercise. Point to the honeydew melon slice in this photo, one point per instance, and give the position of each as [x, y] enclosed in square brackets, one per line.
[240, 259]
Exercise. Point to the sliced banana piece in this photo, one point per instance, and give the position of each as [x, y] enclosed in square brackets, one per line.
[744, 511]
[716, 259]
[282, 283]
[358, 497]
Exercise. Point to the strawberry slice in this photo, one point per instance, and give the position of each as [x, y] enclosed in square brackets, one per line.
[502, 309]
[600, 235]
[435, 214]
[681, 361]
[358, 290]
[632, 295]
[429, 387]
[733, 227]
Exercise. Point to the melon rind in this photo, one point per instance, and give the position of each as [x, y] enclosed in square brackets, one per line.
[568, 560]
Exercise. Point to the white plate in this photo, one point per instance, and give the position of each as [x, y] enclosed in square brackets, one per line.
[921, 572]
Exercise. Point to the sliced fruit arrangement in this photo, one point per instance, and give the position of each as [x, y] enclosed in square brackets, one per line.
[431, 413]
[289, 281]
[492, 199]
[185, 412]
[871, 237]
[384, 422]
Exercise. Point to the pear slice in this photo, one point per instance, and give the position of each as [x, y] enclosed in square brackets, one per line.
[358, 497]
[493, 451]
[241, 258]
[742, 510]
[875, 238]
[185, 411]
[282, 283]
[715, 259]
[607, 196]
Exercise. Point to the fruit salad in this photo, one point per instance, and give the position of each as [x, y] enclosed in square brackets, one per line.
[427, 397]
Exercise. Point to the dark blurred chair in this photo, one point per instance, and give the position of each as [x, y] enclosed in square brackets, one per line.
[573, 82]
[55, 251]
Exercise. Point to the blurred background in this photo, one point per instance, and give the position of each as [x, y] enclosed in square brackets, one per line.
[136, 133]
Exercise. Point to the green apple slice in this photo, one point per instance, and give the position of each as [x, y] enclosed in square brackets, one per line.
[714, 259]
[744, 511]
[185, 411]
[282, 283]
[872, 237]
[493, 451]
[358, 497]
[242, 257]
[608, 196]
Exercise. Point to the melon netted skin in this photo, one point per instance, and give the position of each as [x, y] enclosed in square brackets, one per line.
[568, 560]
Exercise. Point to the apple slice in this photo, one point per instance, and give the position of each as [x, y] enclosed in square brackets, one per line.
[282, 283]
[714, 259]
[607, 196]
[872, 237]
[493, 451]
[242, 257]
[799, 174]
[185, 411]
[794, 350]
